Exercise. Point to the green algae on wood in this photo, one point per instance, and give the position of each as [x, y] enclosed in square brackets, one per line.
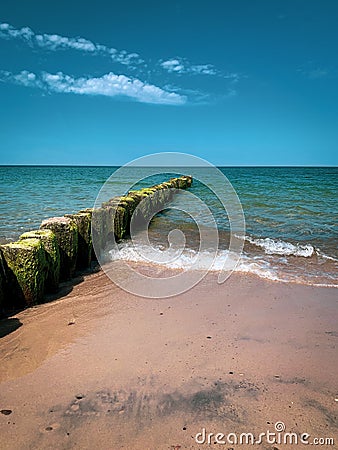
[115, 215]
[108, 221]
[126, 202]
[174, 182]
[50, 244]
[27, 261]
[129, 203]
[120, 217]
[66, 234]
[89, 211]
[185, 182]
[3, 281]
[99, 228]
[84, 253]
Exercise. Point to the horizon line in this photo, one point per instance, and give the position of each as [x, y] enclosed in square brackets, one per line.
[216, 165]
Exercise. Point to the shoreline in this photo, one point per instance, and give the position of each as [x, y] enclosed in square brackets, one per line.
[33, 266]
[262, 274]
[152, 373]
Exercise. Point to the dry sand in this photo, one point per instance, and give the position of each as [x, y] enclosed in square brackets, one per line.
[100, 368]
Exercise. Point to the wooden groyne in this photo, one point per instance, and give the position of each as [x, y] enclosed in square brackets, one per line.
[35, 264]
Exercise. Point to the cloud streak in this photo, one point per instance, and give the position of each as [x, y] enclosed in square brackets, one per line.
[109, 85]
[54, 42]
[182, 66]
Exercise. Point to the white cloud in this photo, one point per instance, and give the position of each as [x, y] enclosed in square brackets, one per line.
[7, 31]
[173, 65]
[26, 78]
[182, 66]
[110, 85]
[55, 42]
[203, 69]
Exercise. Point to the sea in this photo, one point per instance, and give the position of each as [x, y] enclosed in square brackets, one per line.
[291, 215]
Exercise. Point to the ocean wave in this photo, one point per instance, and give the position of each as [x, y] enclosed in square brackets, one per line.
[259, 265]
[279, 247]
[191, 260]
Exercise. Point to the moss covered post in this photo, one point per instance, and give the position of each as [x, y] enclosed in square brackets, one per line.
[84, 252]
[26, 260]
[66, 234]
[51, 247]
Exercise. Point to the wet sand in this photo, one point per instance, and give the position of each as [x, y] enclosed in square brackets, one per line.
[100, 368]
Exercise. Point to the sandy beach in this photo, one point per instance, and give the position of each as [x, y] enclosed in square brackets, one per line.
[168, 225]
[101, 368]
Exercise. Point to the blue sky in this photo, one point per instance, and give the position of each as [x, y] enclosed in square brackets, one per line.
[236, 82]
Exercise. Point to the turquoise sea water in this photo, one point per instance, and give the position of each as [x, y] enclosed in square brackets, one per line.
[291, 213]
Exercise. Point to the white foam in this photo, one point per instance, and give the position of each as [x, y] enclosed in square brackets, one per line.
[188, 259]
[279, 247]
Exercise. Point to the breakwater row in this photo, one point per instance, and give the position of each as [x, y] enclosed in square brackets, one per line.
[41, 259]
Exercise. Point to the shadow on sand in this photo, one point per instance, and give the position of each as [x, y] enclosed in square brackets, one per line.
[8, 325]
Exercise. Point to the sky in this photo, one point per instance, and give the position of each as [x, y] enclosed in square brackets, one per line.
[236, 82]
